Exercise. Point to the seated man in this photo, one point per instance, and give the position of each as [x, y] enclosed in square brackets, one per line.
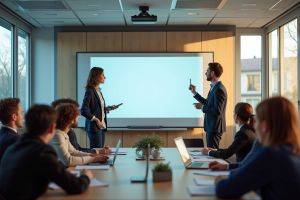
[30, 164]
[67, 117]
[11, 117]
[72, 135]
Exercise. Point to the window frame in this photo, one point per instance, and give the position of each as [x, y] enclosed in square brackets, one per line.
[14, 59]
[276, 25]
[249, 32]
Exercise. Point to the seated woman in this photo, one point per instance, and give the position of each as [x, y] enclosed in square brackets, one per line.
[244, 138]
[274, 169]
[72, 135]
[67, 118]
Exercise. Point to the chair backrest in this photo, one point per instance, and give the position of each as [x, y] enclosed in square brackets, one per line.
[193, 142]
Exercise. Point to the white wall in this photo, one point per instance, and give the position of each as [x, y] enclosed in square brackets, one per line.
[42, 57]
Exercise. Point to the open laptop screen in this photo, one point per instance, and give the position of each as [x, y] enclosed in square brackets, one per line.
[182, 149]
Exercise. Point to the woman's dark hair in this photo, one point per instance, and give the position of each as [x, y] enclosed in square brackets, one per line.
[58, 102]
[66, 114]
[245, 112]
[93, 79]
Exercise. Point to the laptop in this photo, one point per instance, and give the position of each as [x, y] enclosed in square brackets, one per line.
[112, 161]
[186, 158]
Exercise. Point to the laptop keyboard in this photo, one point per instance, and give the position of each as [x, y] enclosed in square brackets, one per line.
[195, 164]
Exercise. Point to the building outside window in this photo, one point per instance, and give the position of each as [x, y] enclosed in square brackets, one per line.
[251, 69]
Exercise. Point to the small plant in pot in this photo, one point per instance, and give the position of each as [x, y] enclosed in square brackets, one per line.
[155, 144]
[162, 172]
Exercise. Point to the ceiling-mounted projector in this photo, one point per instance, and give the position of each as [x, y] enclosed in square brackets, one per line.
[144, 17]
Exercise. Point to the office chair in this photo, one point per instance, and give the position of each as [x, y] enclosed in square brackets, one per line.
[193, 142]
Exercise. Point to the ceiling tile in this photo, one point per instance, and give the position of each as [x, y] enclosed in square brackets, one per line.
[246, 13]
[103, 21]
[99, 14]
[239, 22]
[52, 14]
[189, 21]
[60, 22]
[259, 22]
[94, 4]
[153, 4]
[249, 4]
[193, 13]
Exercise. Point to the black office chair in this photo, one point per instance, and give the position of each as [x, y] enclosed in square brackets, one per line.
[193, 142]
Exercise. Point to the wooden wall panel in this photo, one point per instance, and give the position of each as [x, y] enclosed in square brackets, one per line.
[82, 138]
[112, 137]
[184, 41]
[104, 41]
[144, 41]
[67, 46]
[222, 44]
[189, 133]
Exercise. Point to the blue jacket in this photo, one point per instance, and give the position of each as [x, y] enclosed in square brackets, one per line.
[91, 106]
[7, 138]
[73, 141]
[274, 172]
[214, 108]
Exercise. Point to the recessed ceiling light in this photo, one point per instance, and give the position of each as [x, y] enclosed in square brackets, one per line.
[192, 13]
[272, 7]
[92, 5]
[95, 14]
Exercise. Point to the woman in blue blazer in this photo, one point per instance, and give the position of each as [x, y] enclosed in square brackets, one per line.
[244, 137]
[274, 170]
[93, 108]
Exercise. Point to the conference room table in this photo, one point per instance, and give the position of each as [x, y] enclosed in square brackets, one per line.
[126, 166]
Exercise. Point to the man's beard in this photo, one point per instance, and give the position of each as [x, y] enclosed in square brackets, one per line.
[74, 125]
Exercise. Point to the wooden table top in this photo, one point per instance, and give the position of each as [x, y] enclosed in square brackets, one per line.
[120, 187]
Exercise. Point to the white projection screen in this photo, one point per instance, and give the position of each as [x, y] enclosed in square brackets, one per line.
[153, 87]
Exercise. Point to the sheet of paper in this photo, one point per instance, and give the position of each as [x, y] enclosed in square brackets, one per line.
[199, 181]
[92, 167]
[94, 183]
[201, 190]
[212, 173]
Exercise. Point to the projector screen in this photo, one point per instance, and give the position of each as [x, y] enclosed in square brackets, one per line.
[153, 87]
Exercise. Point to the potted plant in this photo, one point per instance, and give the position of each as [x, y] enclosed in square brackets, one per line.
[155, 144]
[162, 172]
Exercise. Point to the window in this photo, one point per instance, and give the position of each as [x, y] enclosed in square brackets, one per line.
[253, 82]
[14, 63]
[288, 61]
[22, 70]
[273, 64]
[6, 69]
[251, 100]
[251, 68]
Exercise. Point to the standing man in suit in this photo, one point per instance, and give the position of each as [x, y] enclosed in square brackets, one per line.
[214, 106]
[11, 117]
